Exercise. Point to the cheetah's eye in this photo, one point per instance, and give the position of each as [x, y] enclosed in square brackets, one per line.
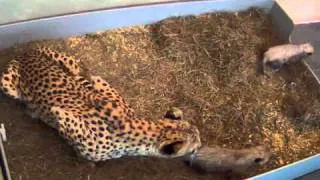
[276, 65]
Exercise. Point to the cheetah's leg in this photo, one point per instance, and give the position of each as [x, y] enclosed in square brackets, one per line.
[73, 129]
[68, 62]
[104, 88]
[33, 111]
[10, 80]
[67, 123]
[99, 85]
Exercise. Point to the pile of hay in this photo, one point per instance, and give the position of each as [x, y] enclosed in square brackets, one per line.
[206, 66]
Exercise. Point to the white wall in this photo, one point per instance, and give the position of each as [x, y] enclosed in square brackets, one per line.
[17, 10]
[88, 22]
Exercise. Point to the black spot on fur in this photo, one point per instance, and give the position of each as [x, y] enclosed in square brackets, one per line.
[108, 112]
[120, 134]
[85, 116]
[114, 105]
[93, 122]
[96, 114]
[5, 89]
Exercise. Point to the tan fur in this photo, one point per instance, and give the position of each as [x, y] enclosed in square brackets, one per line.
[285, 53]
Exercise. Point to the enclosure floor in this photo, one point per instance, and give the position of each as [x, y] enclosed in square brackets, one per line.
[205, 65]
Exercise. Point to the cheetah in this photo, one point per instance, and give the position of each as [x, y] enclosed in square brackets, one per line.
[89, 113]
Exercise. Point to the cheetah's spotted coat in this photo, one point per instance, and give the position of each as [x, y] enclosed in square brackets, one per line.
[90, 114]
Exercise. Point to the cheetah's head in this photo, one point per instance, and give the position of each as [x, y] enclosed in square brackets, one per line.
[179, 141]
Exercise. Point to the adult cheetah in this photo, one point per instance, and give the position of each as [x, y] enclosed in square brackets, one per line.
[89, 113]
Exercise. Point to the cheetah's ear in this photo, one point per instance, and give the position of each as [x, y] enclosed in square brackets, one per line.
[174, 114]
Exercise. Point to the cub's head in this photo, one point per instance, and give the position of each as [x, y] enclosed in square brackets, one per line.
[307, 48]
